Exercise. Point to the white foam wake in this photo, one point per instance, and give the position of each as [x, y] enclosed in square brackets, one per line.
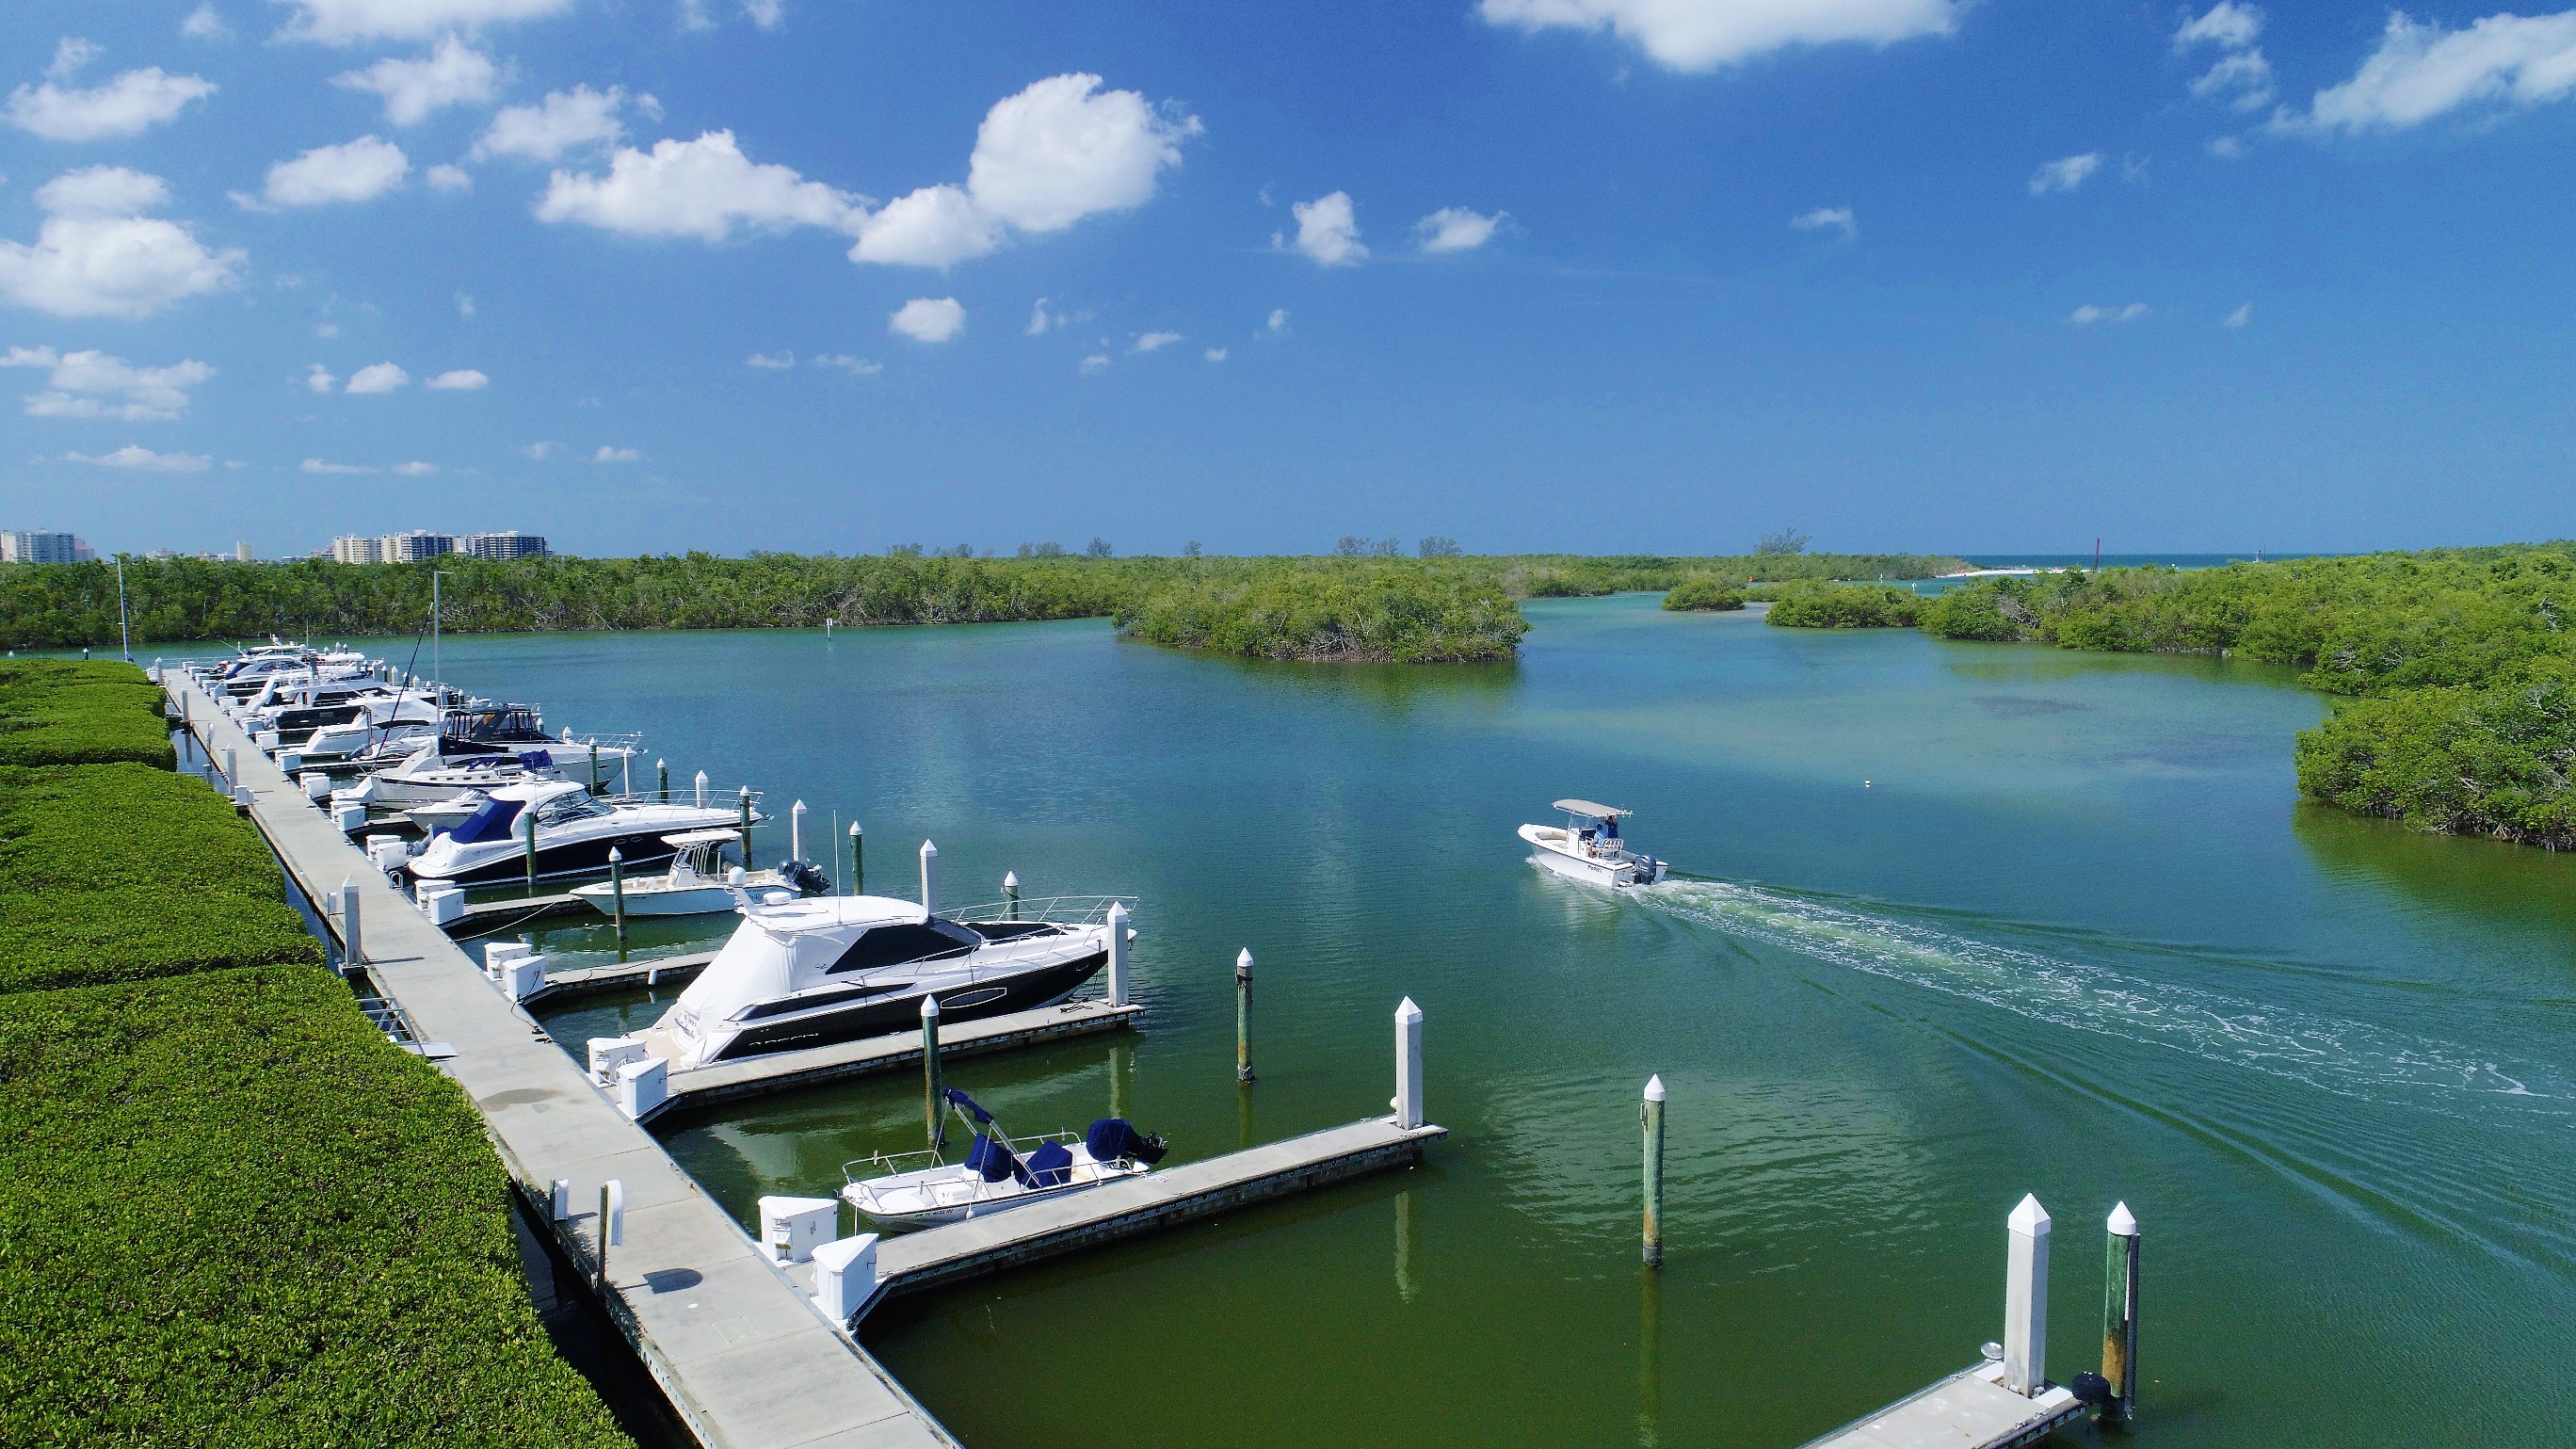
[2339, 1055]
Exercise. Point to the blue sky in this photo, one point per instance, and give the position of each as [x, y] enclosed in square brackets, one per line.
[650, 275]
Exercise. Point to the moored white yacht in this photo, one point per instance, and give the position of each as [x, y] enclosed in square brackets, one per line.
[575, 831]
[484, 746]
[826, 969]
[1588, 848]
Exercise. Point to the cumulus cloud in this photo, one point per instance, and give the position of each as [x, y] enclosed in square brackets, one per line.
[1278, 322]
[859, 366]
[765, 13]
[2242, 79]
[444, 177]
[454, 74]
[348, 22]
[1824, 218]
[1155, 341]
[2064, 174]
[204, 24]
[463, 379]
[144, 460]
[316, 465]
[128, 105]
[1096, 362]
[1039, 320]
[2422, 71]
[97, 255]
[607, 454]
[541, 451]
[2088, 314]
[415, 469]
[359, 170]
[928, 319]
[702, 188]
[1698, 35]
[1045, 158]
[320, 379]
[379, 377]
[2239, 317]
[779, 363]
[1455, 229]
[1216, 354]
[564, 122]
[2227, 25]
[1329, 230]
[95, 385]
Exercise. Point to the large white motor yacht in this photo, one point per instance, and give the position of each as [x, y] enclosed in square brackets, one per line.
[807, 973]
[1588, 848]
[575, 831]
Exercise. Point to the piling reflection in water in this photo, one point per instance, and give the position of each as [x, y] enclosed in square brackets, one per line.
[1650, 1359]
[1406, 1288]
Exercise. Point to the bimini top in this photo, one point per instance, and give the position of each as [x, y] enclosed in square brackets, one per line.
[1597, 812]
[703, 837]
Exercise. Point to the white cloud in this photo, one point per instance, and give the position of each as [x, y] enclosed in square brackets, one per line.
[2239, 317]
[128, 105]
[1039, 321]
[359, 170]
[95, 255]
[415, 469]
[702, 188]
[1216, 354]
[2064, 174]
[204, 24]
[1278, 322]
[144, 460]
[2421, 71]
[381, 377]
[1705, 34]
[463, 379]
[2227, 148]
[765, 13]
[443, 177]
[2088, 314]
[326, 329]
[694, 16]
[316, 465]
[779, 363]
[464, 305]
[1328, 230]
[1096, 362]
[2242, 78]
[1045, 158]
[1838, 217]
[1456, 229]
[95, 385]
[607, 454]
[346, 22]
[857, 365]
[928, 319]
[2228, 25]
[319, 379]
[564, 122]
[454, 74]
[1155, 341]
[542, 451]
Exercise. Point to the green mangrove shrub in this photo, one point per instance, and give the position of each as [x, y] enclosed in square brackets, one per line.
[1332, 611]
[1844, 606]
[1700, 591]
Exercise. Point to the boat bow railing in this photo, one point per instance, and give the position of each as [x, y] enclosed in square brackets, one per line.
[1051, 910]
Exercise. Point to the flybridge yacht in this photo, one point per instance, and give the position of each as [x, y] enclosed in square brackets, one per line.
[1588, 848]
[394, 723]
[484, 746]
[575, 831]
[805, 973]
[240, 679]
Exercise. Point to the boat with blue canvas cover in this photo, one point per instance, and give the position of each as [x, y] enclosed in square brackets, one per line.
[911, 1190]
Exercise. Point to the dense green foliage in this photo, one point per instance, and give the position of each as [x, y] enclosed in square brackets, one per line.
[1331, 609]
[62, 712]
[236, 1215]
[2461, 661]
[1703, 592]
[119, 872]
[70, 605]
[1844, 606]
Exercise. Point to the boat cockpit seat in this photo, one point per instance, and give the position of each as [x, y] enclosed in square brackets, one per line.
[994, 1161]
[1050, 1166]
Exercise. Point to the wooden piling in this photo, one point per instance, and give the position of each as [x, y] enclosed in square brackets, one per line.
[1243, 1017]
[2120, 1313]
[662, 778]
[353, 951]
[1011, 893]
[796, 831]
[858, 861]
[1651, 1112]
[934, 1120]
[617, 893]
[529, 820]
[746, 827]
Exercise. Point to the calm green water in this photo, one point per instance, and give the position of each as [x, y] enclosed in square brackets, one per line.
[2075, 937]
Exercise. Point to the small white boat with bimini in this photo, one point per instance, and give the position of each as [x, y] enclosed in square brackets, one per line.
[910, 1190]
[1588, 848]
[697, 884]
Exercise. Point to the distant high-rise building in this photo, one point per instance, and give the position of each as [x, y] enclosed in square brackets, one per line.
[241, 553]
[512, 544]
[416, 545]
[357, 548]
[37, 546]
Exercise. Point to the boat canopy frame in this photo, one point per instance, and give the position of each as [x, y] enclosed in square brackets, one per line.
[1592, 810]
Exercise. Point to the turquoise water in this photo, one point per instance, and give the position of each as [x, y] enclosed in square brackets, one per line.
[2073, 936]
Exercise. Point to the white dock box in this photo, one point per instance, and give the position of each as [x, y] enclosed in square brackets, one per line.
[791, 1228]
[845, 1277]
[444, 904]
[608, 1053]
[386, 852]
[523, 977]
[498, 954]
[317, 785]
[641, 1086]
[348, 819]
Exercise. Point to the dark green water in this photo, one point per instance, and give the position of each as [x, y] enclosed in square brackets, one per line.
[2075, 938]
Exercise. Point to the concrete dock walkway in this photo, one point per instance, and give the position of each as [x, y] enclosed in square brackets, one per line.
[1970, 1409]
[744, 1357]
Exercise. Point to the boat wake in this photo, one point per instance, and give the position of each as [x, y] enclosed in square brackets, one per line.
[2349, 1057]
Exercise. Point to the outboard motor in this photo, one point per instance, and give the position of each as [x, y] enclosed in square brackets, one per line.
[1112, 1138]
[807, 877]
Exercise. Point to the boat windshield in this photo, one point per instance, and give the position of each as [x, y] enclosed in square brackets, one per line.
[492, 822]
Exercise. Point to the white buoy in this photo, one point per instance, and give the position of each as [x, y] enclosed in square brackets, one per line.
[929, 879]
[2026, 1299]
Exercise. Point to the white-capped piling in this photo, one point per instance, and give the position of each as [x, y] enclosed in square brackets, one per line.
[1651, 1112]
[2026, 1299]
[230, 776]
[617, 891]
[1408, 1065]
[858, 861]
[2120, 1312]
[1011, 893]
[353, 952]
[560, 1207]
[934, 1122]
[612, 1225]
[1243, 1017]
[1118, 936]
[796, 831]
[702, 789]
[662, 780]
[528, 828]
[746, 827]
[929, 879]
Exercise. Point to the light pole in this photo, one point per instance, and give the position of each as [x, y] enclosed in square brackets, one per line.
[124, 636]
